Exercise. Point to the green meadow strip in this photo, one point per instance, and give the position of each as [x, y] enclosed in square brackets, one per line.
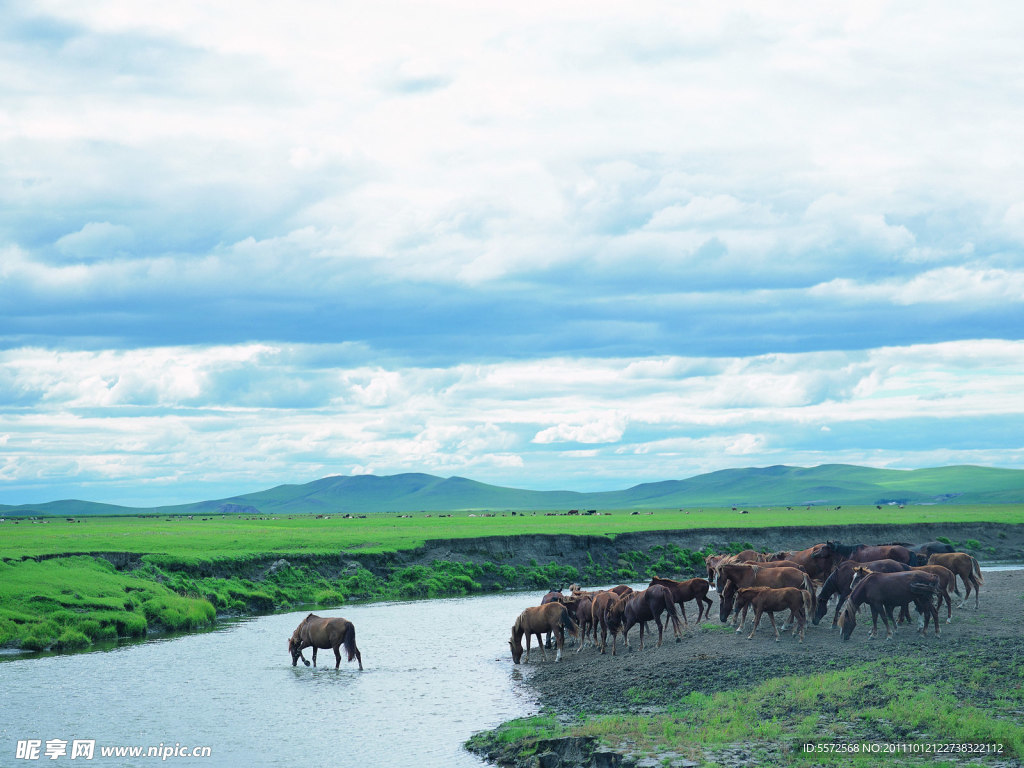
[240, 535]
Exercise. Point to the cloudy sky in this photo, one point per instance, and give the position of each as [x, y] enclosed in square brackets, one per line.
[579, 245]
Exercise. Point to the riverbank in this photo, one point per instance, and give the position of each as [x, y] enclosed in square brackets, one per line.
[69, 600]
[719, 699]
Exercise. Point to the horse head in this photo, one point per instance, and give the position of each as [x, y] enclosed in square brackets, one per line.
[859, 574]
[616, 612]
[725, 602]
[847, 619]
[295, 649]
[516, 646]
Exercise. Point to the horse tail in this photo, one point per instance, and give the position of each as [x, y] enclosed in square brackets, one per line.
[809, 586]
[808, 604]
[350, 642]
[567, 621]
[670, 606]
[977, 570]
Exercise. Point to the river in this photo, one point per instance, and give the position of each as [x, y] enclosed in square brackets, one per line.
[436, 671]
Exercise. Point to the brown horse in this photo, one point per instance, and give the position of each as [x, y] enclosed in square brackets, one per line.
[818, 561]
[741, 575]
[863, 553]
[639, 608]
[580, 609]
[599, 615]
[840, 582]
[768, 600]
[947, 581]
[683, 591]
[551, 617]
[885, 591]
[964, 566]
[316, 632]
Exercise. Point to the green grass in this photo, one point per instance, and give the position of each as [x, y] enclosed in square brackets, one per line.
[237, 535]
[952, 699]
[71, 602]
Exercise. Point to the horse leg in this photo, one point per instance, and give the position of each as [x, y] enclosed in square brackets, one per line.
[757, 620]
[657, 620]
[886, 616]
[560, 641]
[527, 661]
[314, 655]
[771, 618]
[543, 654]
[337, 655]
[949, 605]
[977, 591]
[706, 608]
[874, 623]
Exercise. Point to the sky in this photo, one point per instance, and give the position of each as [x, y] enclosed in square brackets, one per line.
[569, 246]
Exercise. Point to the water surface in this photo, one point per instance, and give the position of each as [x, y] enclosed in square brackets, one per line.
[435, 672]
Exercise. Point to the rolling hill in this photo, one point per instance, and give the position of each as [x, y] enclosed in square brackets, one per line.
[765, 486]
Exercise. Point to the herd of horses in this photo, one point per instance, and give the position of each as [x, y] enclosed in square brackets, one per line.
[884, 577]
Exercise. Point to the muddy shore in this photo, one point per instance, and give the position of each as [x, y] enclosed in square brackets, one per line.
[712, 657]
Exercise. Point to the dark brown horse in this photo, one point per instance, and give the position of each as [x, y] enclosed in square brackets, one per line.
[599, 615]
[864, 553]
[841, 581]
[818, 561]
[964, 566]
[886, 591]
[926, 550]
[316, 632]
[767, 600]
[684, 591]
[551, 617]
[580, 609]
[740, 575]
[639, 608]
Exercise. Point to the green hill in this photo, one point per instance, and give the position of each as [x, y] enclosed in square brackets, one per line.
[758, 486]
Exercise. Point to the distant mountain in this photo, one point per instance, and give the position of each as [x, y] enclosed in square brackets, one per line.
[765, 486]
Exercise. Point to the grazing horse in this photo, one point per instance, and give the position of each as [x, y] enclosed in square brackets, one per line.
[683, 591]
[841, 581]
[885, 591]
[769, 600]
[739, 575]
[964, 566]
[316, 632]
[639, 608]
[863, 553]
[551, 617]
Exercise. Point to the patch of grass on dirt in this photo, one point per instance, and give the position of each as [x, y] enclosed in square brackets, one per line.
[966, 697]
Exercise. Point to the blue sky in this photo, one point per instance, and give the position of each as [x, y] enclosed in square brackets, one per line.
[578, 247]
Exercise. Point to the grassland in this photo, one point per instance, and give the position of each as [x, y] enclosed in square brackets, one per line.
[185, 570]
[241, 535]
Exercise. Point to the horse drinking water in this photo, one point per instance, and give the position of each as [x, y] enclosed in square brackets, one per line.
[550, 617]
[317, 632]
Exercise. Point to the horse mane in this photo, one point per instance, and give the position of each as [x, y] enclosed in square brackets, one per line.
[828, 587]
[843, 549]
